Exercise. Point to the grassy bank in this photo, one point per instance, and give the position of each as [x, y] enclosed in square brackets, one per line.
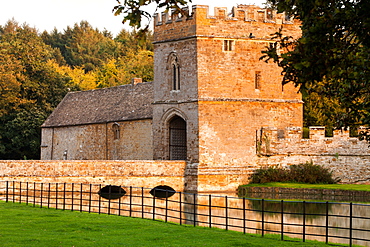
[22, 225]
[357, 187]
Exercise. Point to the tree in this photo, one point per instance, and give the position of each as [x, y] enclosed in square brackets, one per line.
[133, 11]
[30, 88]
[332, 57]
[84, 46]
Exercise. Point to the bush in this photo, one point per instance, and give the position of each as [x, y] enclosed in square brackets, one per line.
[302, 173]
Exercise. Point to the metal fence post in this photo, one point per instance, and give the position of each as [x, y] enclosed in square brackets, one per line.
[20, 192]
[34, 194]
[110, 195]
[64, 196]
[56, 195]
[154, 204]
[7, 191]
[166, 212]
[282, 219]
[99, 200]
[350, 223]
[194, 216]
[48, 195]
[27, 193]
[327, 223]
[226, 214]
[72, 193]
[304, 222]
[13, 191]
[142, 202]
[244, 215]
[263, 217]
[90, 189]
[180, 203]
[130, 201]
[210, 210]
[41, 190]
[81, 193]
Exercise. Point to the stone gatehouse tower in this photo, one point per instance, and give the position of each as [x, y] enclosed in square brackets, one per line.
[212, 93]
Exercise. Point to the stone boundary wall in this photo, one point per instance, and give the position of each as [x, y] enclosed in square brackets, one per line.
[289, 141]
[347, 157]
[129, 173]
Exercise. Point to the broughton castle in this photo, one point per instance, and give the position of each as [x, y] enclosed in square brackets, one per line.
[214, 113]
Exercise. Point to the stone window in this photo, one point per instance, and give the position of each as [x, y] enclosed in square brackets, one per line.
[257, 80]
[178, 144]
[269, 14]
[116, 131]
[275, 46]
[174, 67]
[228, 45]
[175, 77]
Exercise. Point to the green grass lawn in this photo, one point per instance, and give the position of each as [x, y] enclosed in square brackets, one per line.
[358, 187]
[24, 225]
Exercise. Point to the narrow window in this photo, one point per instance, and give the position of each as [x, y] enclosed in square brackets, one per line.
[257, 80]
[269, 14]
[174, 72]
[228, 45]
[175, 77]
[116, 131]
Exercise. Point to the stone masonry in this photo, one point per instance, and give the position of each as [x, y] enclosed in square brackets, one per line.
[346, 156]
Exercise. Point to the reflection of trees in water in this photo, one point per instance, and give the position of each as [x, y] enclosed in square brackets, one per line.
[295, 209]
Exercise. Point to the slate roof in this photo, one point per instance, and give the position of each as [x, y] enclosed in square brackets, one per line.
[126, 102]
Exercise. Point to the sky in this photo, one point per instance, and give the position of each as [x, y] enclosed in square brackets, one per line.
[50, 14]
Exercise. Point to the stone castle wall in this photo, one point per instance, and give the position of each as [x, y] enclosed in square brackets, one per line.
[346, 156]
[146, 174]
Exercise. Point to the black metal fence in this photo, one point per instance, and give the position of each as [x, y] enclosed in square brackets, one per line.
[347, 223]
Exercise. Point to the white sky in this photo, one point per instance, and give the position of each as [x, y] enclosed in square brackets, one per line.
[47, 14]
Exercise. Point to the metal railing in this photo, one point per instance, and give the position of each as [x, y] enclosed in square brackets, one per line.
[347, 223]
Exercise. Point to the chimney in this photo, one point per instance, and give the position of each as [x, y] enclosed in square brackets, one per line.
[135, 81]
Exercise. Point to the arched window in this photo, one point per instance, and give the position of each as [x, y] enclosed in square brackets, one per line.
[178, 144]
[176, 77]
[174, 66]
[116, 131]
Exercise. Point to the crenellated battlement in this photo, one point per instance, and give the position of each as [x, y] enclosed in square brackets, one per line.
[272, 141]
[244, 21]
[246, 13]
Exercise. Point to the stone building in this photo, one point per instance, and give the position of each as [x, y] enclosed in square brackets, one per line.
[211, 93]
[210, 96]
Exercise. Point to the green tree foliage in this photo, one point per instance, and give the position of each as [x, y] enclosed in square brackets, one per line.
[84, 46]
[331, 60]
[133, 11]
[30, 89]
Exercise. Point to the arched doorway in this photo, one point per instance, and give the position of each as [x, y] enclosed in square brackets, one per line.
[177, 131]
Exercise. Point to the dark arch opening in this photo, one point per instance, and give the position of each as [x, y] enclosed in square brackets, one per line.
[162, 191]
[111, 192]
[178, 143]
